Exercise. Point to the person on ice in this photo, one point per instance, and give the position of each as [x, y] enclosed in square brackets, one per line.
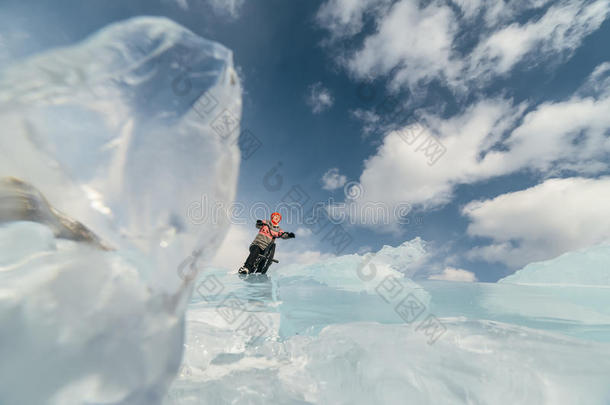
[269, 230]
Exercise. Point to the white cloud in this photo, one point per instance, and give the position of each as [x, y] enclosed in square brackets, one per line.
[302, 232]
[309, 257]
[301, 250]
[564, 135]
[399, 172]
[416, 45]
[497, 13]
[319, 98]
[234, 249]
[471, 8]
[452, 274]
[599, 81]
[227, 8]
[14, 42]
[346, 17]
[416, 40]
[541, 222]
[559, 31]
[332, 179]
[492, 138]
[183, 4]
[362, 250]
[371, 120]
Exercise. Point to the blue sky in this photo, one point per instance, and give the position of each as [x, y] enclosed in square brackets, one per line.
[517, 92]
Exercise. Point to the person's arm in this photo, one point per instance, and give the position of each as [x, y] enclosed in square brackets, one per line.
[259, 223]
[287, 235]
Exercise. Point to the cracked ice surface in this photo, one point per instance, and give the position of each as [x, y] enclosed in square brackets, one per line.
[329, 336]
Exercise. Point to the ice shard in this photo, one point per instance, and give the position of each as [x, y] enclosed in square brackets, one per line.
[104, 148]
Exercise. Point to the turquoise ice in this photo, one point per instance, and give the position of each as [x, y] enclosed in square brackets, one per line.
[333, 334]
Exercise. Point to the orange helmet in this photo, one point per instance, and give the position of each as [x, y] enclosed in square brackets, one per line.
[278, 214]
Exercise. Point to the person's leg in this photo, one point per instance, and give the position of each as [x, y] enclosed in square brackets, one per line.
[255, 250]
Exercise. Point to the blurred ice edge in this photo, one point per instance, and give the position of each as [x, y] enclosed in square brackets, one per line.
[102, 137]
